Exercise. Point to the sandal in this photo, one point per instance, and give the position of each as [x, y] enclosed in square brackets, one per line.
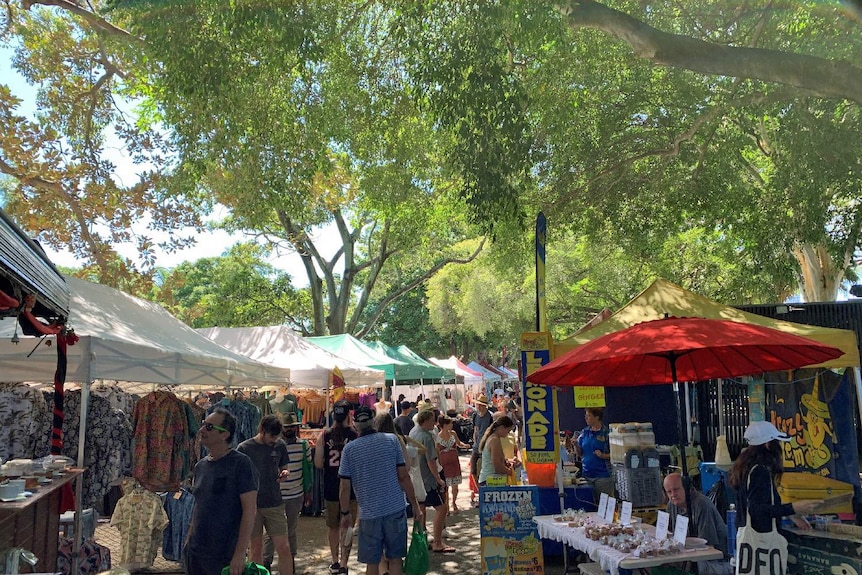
[444, 550]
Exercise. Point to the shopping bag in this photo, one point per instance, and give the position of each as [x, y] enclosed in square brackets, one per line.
[760, 553]
[250, 569]
[416, 562]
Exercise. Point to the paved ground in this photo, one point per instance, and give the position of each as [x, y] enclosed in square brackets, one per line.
[313, 557]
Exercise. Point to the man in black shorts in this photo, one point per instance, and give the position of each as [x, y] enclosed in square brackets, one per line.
[327, 456]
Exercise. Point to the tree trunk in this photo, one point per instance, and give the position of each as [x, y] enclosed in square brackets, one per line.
[820, 277]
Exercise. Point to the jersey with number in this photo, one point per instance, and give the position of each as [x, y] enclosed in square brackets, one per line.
[332, 461]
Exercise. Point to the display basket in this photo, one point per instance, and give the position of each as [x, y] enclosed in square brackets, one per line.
[641, 486]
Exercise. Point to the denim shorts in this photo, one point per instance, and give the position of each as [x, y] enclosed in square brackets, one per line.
[384, 534]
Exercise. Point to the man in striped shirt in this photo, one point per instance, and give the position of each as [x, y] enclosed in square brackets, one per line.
[373, 465]
[296, 489]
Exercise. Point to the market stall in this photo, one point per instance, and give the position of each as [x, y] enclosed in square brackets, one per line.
[136, 343]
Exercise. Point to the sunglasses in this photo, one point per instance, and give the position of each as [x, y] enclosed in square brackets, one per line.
[210, 426]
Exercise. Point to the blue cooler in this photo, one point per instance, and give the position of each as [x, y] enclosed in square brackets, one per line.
[710, 474]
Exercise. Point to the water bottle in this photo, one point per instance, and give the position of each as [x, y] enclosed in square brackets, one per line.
[731, 530]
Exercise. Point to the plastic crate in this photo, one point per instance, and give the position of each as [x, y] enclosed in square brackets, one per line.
[641, 486]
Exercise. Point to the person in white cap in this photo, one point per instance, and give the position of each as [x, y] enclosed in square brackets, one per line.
[754, 475]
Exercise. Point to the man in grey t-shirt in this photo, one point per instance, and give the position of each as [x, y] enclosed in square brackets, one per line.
[435, 487]
[268, 453]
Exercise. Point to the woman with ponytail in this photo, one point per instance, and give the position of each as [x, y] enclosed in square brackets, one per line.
[493, 461]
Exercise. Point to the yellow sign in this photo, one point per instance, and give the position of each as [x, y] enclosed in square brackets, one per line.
[589, 396]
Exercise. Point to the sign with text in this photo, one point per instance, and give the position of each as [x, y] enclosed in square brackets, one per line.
[541, 431]
[680, 530]
[661, 524]
[603, 504]
[589, 396]
[626, 513]
[609, 512]
[509, 541]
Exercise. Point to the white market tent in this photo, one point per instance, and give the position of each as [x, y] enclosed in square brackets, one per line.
[128, 339]
[471, 376]
[490, 376]
[310, 365]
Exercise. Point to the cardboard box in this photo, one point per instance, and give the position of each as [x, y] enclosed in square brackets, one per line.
[822, 553]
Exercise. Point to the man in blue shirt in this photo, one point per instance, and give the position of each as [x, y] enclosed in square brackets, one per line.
[373, 466]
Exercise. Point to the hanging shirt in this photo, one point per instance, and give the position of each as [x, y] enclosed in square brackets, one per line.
[140, 517]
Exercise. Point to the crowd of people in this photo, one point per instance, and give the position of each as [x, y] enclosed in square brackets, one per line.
[377, 472]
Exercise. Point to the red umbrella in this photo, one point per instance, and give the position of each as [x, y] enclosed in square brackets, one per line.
[681, 349]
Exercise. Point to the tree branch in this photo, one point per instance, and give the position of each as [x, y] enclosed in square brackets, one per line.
[825, 78]
[97, 22]
[383, 304]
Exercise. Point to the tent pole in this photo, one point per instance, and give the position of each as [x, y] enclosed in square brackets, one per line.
[688, 428]
[79, 483]
[720, 406]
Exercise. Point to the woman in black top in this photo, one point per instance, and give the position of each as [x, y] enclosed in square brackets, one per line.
[758, 496]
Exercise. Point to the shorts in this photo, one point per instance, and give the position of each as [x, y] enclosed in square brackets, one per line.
[271, 518]
[384, 535]
[433, 498]
[332, 512]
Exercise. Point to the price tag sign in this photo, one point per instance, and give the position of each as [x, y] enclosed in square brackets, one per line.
[603, 504]
[609, 513]
[661, 525]
[680, 532]
[626, 513]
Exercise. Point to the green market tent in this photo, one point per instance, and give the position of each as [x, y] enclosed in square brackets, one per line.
[347, 346]
[418, 368]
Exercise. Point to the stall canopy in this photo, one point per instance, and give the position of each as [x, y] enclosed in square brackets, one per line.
[471, 376]
[310, 365]
[663, 297]
[447, 372]
[25, 269]
[125, 338]
[419, 368]
[490, 376]
[347, 346]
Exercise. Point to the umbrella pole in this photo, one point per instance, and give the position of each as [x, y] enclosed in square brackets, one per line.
[679, 421]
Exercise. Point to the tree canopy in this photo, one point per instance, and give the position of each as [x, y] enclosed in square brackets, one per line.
[717, 140]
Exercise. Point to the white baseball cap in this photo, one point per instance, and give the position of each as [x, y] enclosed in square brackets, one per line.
[762, 432]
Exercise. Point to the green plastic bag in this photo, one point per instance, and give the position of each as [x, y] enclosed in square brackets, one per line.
[416, 562]
[250, 569]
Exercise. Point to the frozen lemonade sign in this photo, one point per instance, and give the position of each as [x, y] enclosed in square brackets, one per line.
[540, 402]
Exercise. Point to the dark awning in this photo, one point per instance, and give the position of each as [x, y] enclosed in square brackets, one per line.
[25, 269]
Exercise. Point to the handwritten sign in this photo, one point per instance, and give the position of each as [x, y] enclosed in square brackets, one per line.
[680, 531]
[609, 512]
[626, 513]
[661, 525]
[603, 504]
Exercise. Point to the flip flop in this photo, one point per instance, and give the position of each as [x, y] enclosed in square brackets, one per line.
[444, 550]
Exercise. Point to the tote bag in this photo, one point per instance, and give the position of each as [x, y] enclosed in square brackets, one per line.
[760, 553]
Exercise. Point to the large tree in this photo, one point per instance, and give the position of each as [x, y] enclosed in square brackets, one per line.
[654, 121]
[59, 153]
[657, 119]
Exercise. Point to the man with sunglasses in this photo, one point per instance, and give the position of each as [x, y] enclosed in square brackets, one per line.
[225, 492]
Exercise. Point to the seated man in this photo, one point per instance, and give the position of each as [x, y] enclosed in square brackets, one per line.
[704, 521]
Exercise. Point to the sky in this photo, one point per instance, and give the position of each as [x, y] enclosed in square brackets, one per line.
[209, 244]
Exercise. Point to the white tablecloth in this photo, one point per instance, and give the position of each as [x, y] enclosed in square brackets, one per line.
[609, 558]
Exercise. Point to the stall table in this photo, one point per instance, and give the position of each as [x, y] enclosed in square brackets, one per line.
[34, 523]
[609, 558]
